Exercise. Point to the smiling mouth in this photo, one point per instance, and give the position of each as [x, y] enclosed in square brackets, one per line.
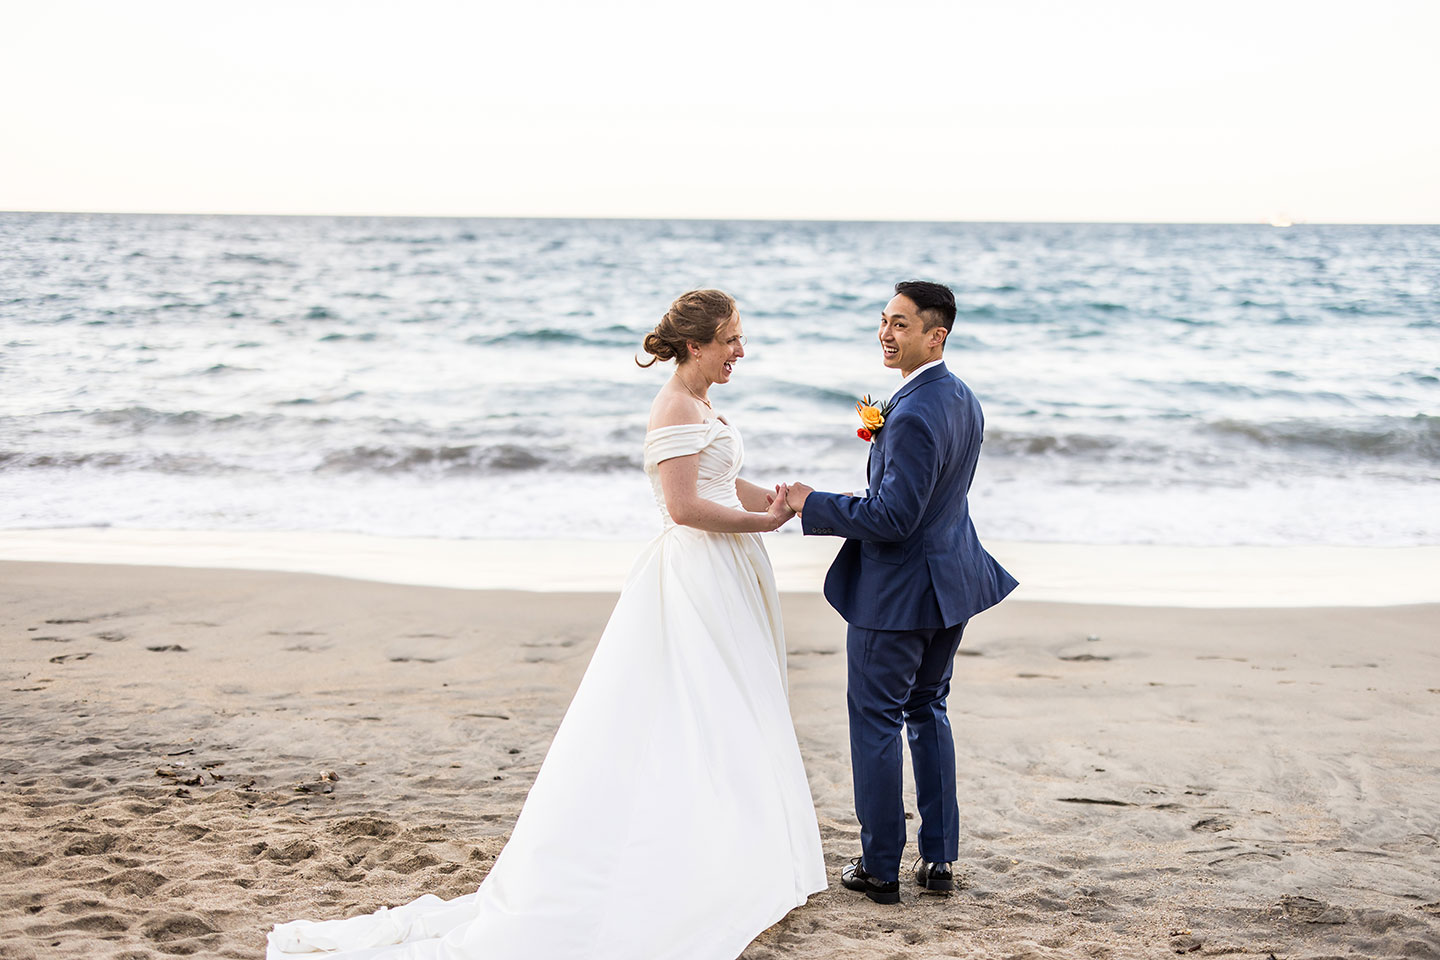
[889, 351]
[729, 366]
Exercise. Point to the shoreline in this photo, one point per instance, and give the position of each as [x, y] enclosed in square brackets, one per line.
[1103, 574]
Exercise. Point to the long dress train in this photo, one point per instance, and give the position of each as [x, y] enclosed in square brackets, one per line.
[671, 817]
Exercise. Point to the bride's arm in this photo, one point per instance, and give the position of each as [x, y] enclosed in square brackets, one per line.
[679, 477]
[753, 497]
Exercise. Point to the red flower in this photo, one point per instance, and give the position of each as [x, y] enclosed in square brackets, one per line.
[863, 434]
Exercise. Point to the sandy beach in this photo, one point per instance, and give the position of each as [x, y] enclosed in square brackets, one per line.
[188, 755]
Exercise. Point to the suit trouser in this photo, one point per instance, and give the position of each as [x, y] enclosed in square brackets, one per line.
[901, 679]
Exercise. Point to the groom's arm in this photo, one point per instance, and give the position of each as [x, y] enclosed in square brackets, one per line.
[893, 510]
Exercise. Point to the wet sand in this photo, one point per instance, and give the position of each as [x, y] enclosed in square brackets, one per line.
[190, 755]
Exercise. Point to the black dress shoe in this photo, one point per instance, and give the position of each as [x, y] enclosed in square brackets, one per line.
[934, 877]
[854, 877]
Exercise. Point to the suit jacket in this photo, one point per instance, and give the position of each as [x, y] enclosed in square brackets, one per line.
[911, 559]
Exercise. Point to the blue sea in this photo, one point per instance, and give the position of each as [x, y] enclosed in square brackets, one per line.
[1178, 384]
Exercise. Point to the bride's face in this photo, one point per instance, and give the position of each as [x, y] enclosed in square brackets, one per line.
[716, 359]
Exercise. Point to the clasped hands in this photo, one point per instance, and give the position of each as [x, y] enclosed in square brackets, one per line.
[788, 500]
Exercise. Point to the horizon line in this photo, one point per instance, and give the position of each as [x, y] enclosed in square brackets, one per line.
[1258, 222]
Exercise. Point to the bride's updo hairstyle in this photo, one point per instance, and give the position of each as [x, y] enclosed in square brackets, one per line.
[694, 317]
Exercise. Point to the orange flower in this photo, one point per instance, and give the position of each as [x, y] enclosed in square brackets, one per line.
[872, 417]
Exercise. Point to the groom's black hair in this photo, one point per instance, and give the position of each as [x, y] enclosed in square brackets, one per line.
[936, 302]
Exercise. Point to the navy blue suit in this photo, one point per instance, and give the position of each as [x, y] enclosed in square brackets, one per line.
[909, 576]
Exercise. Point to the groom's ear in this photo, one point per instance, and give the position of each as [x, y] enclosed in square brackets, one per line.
[938, 335]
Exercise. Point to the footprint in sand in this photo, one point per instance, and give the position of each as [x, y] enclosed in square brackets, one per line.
[69, 656]
[556, 642]
[830, 830]
[97, 923]
[411, 860]
[136, 882]
[366, 827]
[1309, 910]
[23, 858]
[1248, 855]
[292, 852]
[176, 926]
[89, 846]
[1212, 825]
[168, 648]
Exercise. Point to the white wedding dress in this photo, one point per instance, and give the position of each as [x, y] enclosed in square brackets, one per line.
[671, 817]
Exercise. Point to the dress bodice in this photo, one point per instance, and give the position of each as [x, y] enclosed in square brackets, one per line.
[721, 455]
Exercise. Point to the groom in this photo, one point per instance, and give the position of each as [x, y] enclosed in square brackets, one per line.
[909, 576]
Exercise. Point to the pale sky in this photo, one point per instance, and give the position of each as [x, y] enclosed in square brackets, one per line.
[1014, 110]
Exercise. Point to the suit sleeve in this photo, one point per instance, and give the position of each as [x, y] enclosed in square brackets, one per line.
[895, 507]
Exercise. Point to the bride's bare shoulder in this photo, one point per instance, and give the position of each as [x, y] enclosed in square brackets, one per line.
[672, 409]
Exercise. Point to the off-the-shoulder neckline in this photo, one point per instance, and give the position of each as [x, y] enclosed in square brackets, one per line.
[689, 426]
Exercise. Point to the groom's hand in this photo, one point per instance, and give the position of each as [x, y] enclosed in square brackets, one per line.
[779, 508]
[796, 496]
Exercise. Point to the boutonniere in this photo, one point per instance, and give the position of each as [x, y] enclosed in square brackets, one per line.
[872, 417]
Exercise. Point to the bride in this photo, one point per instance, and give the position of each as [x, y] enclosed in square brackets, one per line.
[671, 817]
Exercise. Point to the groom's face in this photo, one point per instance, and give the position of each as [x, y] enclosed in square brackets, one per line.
[904, 341]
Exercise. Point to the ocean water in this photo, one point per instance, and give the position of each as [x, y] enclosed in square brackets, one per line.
[1175, 384]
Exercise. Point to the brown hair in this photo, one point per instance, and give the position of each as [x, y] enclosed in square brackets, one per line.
[694, 317]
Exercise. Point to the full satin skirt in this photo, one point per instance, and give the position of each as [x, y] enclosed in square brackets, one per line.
[671, 817]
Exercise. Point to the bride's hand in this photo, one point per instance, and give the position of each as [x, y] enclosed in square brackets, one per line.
[779, 512]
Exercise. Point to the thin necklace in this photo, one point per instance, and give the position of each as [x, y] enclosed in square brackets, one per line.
[693, 393]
